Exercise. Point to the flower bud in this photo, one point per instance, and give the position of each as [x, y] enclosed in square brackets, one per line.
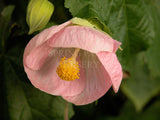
[38, 14]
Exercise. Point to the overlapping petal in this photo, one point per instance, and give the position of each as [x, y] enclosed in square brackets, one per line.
[38, 56]
[97, 82]
[46, 79]
[112, 66]
[36, 50]
[83, 37]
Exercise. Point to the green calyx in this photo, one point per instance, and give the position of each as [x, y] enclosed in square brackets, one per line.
[92, 23]
[82, 22]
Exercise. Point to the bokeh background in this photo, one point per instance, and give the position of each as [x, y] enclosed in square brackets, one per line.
[133, 22]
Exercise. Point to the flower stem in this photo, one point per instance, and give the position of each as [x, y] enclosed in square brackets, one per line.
[66, 111]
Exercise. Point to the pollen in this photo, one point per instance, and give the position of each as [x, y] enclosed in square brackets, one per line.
[68, 68]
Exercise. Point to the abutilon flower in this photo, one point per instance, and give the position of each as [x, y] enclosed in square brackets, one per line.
[73, 61]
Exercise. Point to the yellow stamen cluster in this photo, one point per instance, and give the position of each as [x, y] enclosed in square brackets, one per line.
[68, 69]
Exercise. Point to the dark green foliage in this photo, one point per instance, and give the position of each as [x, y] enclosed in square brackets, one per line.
[135, 24]
[19, 99]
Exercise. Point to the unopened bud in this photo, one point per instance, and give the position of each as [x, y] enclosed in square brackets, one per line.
[38, 14]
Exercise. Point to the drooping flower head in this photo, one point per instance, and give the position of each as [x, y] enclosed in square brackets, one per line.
[73, 61]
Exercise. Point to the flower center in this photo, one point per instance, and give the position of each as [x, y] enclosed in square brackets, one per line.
[68, 68]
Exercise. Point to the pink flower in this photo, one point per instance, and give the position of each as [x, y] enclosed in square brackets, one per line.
[84, 75]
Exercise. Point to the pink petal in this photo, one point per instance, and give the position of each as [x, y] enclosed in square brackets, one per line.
[38, 56]
[82, 37]
[36, 50]
[97, 83]
[113, 67]
[116, 45]
[46, 79]
[44, 36]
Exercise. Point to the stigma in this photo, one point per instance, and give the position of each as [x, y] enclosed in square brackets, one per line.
[68, 68]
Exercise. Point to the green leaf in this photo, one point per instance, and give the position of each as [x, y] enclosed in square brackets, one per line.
[20, 99]
[153, 55]
[129, 113]
[141, 86]
[27, 103]
[4, 29]
[130, 22]
[136, 24]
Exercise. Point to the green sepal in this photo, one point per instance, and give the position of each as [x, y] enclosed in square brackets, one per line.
[92, 23]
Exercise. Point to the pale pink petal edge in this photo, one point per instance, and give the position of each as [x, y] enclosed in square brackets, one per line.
[113, 67]
[36, 44]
